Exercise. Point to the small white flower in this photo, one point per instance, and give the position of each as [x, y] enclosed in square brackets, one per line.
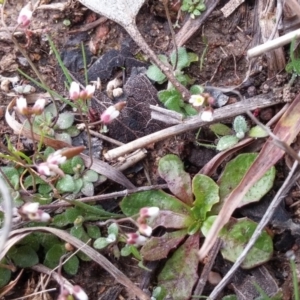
[30, 208]
[40, 216]
[149, 212]
[39, 106]
[90, 89]
[207, 116]
[43, 169]
[136, 239]
[145, 229]
[74, 91]
[56, 158]
[197, 100]
[109, 115]
[79, 293]
[21, 104]
[25, 15]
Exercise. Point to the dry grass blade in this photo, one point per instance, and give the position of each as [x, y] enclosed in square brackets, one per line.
[93, 254]
[286, 130]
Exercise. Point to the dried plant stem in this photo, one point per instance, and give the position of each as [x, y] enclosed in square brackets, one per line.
[273, 44]
[194, 123]
[167, 69]
[288, 183]
[109, 196]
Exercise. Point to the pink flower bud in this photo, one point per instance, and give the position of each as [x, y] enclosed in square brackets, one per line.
[109, 115]
[149, 212]
[74, 91]
[39, 106]
[29, 208]
[21, 104]
[25, 15]
[79, 293]
[90, 89]
[145, 229]
[136, 239]
[44, 169]
[207, 115]
[56, 158]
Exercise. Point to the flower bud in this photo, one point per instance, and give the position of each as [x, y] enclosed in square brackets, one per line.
[25, 15]
[109, 115]
[39, 106]
[145, 229]
[79, 293]
[149, 212]
[74, 91]
[21, 104]
[136, 239]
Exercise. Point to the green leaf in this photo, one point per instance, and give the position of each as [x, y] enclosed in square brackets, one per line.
[71, 265]
[180, 271]
[220, 129]
[13, 176]
[240, 124]
[159, 293]
[131, 204]
[126, 250]
[53, 255]
[72, 131]
[157, 248]
[101, 243]
[90, 176]
[206, 225]
[206, 192]
[226, 142]
[28, 182]
[257, 132]
[5, 274]
[189, 110]
[64, 137]
[31, 240]
[79, 184]
[93, 231]
[44, 189]
[65, 120]
[165, 95]
[77, 163]
[175, 104]
[182, 59]
[171, 169]
[113, 228]
[23, 257]
[47, 240]
[60, 220]
[235, 171]
[193, 57]
[194, 228]
[66, 184]
[172, 220]
[80, 233]
[87, 189]
[154, 72]
[237, 234]
[196, 89]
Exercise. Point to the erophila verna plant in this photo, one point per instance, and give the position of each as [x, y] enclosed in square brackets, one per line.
[171, 98]
[193, 7]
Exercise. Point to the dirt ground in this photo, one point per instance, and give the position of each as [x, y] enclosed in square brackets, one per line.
[221, 43]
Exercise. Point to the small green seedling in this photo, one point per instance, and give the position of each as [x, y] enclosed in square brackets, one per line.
[170, 97]
[229, 137]
[193, 7]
